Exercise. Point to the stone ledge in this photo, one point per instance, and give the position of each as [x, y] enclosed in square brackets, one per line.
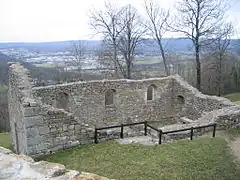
[185, 120]
[15, 166]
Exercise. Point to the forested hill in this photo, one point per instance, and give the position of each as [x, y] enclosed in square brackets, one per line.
[4, 59]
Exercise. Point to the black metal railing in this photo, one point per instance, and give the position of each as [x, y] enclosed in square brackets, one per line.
[214, 125]
[122, 128]
[159, 131]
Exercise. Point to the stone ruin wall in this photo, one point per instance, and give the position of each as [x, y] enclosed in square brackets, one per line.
[41, 127]
[19, 86]
[38, 128]
[195, 103]
[86, 100]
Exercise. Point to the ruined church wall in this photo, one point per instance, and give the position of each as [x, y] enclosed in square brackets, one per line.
[195, 103]
[38, 128]
[87, 100]
[18, 85]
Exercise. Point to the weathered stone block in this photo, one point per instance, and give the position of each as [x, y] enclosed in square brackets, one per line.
[53, 129]
[65, 127]
[33, 121]
[78, 127]
[72, 144]
[71, 127]
[31, 111]
[33, 104]
[32, 132]
[35, 141]
[43, 130]
[4, 150]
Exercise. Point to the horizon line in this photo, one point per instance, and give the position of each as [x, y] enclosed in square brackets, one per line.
[52, 41]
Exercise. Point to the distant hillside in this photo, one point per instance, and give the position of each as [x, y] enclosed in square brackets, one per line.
[47, 46]
[4, 59]
[176, 45]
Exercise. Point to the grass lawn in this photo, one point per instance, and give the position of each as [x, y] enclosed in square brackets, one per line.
[203, 159]
[5, 140]
[151, 60]
[234, 97]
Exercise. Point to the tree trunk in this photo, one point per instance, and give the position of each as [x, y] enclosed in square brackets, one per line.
[220, 75]
[198, 68]
[163, 57]
[129, 73]
[129, 70]
[115, 58]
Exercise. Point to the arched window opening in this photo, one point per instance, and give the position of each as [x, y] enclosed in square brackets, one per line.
[62, 100]
[151, 92]
[180, 99]
[109, 96]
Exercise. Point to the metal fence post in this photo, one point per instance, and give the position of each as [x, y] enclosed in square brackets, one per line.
[160, 137]
[191, 134]
[145, 128]
[214, 129]
[95, 136]
[121, 134]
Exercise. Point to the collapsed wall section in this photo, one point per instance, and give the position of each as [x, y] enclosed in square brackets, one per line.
[38, 128]
[226, 118]
[194, 104]
[109, 102]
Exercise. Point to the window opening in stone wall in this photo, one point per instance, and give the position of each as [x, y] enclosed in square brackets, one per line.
[151, 92]
[62, 100]
[180, 99]
[109, 96]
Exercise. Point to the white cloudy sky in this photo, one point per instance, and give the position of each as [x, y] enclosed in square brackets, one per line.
[53, 20]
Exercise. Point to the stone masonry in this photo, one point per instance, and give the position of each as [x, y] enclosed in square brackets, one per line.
[45, 119]
[22, 167]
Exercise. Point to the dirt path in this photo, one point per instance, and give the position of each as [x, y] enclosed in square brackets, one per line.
[235, 146]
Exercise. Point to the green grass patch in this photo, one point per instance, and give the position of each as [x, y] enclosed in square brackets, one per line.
[234, 97]
[5, 140]
[152, 60]
[202, 159]
[237, 102]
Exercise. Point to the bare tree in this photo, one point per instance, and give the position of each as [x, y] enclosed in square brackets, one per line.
[218, 50]
[77, 50]
[130, 38]
[198, 20]
[107, 23]
[157, 24]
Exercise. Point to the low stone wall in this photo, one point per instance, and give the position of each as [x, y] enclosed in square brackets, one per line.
[225, 118]
[16, 167]
[228, 117]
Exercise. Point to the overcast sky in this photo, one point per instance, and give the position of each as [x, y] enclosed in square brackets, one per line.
[56, 20]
